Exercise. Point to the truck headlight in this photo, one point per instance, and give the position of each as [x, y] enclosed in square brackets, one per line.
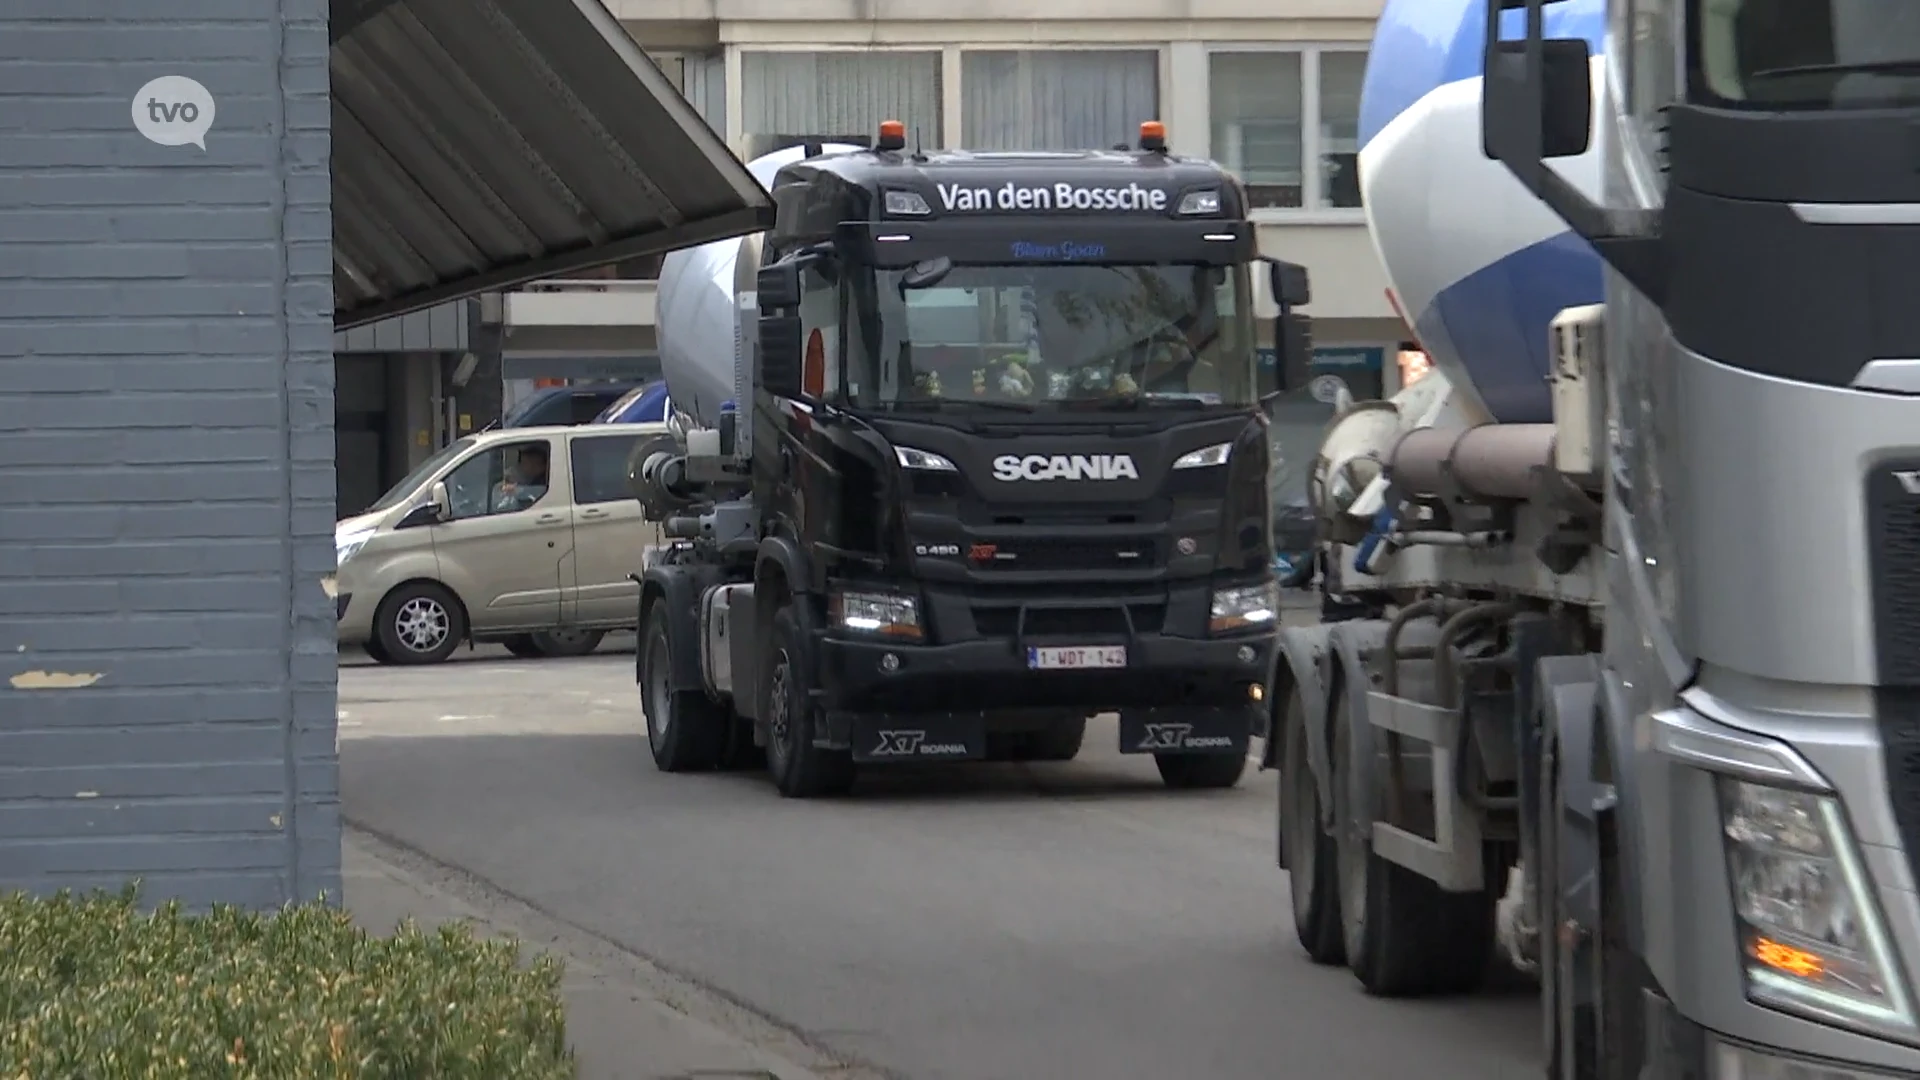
[1205, 456]
[1245, 608]
[885, 614]
[1199, 202]
[345, 547]
[910, 458]
[1812, 940]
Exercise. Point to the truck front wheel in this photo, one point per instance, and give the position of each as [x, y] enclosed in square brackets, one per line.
[800, 769]
[686, 731]
[1194, 771]
[1059, 741]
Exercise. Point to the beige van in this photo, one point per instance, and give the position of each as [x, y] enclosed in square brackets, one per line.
[524, 536]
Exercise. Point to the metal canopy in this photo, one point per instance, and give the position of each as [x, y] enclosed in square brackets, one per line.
[478, 144]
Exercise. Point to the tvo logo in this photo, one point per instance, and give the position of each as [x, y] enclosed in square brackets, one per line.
[173, 110]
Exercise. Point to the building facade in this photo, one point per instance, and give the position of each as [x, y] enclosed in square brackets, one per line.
[1272, 95]
[1270, 90]
[167, 689]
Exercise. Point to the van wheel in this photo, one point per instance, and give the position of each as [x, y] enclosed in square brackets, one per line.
[566, 642]
[800, 769]
[376, 652]
[419, 623]
[686, 731]
[522, 646]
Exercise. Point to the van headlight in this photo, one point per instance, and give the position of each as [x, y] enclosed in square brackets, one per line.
[1812, 939]
[1245, 608]
[345, 547]
[884, 614]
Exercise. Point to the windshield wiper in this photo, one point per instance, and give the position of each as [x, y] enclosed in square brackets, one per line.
[1131, 403]
[972, 403]
[1864, 67]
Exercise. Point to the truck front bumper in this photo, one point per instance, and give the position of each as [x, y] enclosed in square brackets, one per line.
[1174, 694]
[1679, 1049]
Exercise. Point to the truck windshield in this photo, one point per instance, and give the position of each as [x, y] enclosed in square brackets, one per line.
[1806, 54]
[1055, 338]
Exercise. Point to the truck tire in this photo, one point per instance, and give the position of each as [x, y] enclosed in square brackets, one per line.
[419, 623]
[1404, 936]
[1060, 741]
[1312, 867]
[686, 731]
[1190, 772]
[741, 754]
[800, 769]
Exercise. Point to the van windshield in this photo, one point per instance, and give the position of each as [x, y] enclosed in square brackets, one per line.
[419, 475]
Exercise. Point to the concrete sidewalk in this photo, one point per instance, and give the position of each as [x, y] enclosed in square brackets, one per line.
[621, 1029]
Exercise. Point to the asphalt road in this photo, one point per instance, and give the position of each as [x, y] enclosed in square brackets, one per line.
[965, 922]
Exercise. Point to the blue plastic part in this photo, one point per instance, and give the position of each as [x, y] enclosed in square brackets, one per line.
[1377, 535]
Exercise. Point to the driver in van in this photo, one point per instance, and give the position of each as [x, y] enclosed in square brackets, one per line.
[526, 484]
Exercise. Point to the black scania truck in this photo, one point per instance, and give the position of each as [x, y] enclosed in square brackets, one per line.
[968, 448]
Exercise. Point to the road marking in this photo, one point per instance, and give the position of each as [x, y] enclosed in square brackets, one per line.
[454, 718]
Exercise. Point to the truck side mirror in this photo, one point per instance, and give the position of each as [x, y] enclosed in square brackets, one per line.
[1291, 284]
[1558, 113]
[1267, 380]
[1292, 354]
[779, 357]
[778, 286]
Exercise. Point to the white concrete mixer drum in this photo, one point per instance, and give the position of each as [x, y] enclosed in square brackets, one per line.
[698, 313]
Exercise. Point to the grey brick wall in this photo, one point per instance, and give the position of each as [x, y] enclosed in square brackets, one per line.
[166, 455]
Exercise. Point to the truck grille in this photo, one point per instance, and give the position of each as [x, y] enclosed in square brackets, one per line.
[1893, 530]
[1042, 621]
[1054, 553]
[1893, 536]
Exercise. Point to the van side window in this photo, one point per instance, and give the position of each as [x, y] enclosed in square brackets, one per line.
[600, 468]
[503, 479]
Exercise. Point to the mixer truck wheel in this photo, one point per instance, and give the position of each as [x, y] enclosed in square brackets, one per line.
[1059, 741]
[1312, 872]
[800, 769]
[686, 731]
[741, 754]
[1194, 771]
[1404, 936]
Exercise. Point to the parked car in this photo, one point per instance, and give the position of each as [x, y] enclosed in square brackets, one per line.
[525, 536]
[565, 405]
[641, 405]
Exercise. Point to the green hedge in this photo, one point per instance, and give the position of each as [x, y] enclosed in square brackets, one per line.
[96, 989]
